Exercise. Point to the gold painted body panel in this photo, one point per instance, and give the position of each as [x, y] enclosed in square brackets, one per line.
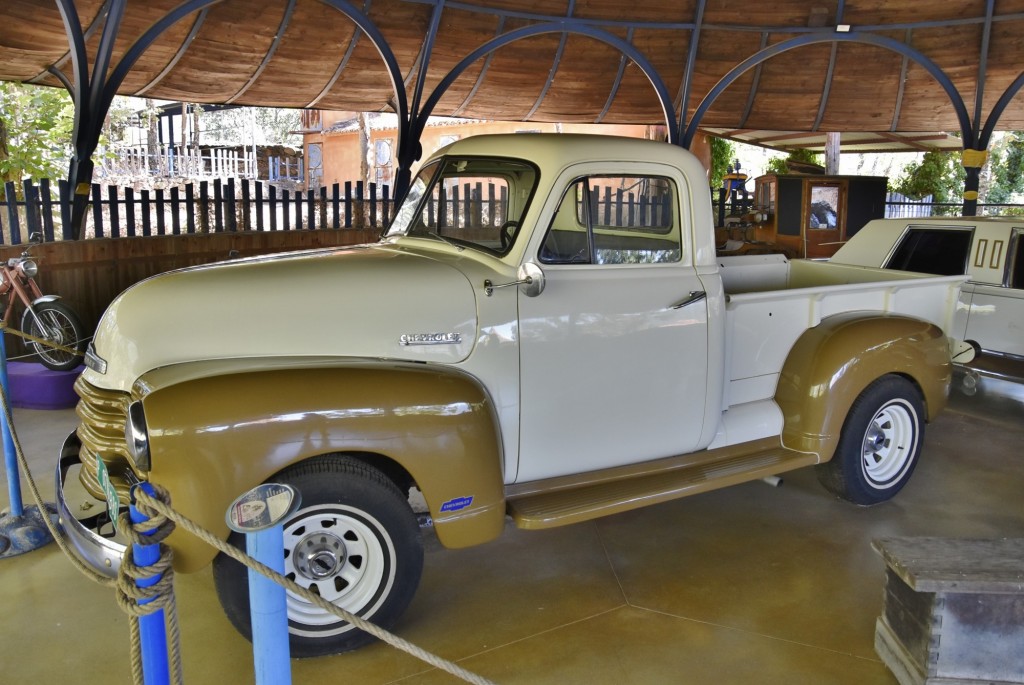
[832, 363]
[212, 438]
[572, 499]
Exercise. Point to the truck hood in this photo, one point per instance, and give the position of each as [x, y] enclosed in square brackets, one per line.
[368, 301]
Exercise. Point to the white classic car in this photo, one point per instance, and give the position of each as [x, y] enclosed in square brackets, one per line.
[988, 250]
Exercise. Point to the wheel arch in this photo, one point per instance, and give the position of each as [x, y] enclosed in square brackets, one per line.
[831, 364]
[424, 425]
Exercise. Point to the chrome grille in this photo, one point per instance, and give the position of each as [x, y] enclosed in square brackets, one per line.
[101, 431]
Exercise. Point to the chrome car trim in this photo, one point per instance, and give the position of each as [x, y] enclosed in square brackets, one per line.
[94, 361]
[430, 339]
[100, 553]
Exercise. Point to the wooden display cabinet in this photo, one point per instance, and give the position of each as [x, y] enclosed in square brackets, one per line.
[813, 215]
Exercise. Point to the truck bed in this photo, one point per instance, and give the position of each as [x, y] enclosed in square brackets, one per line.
[771, 301]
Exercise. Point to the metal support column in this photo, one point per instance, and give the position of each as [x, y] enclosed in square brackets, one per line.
[92, 90]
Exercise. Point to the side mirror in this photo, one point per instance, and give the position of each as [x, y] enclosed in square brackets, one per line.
[531, 279]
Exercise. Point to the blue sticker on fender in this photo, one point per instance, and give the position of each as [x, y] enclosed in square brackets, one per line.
[457, 503]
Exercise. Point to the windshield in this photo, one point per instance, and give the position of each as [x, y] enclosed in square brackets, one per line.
[471, 202]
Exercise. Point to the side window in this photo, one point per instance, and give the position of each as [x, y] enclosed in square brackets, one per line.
[1016, 276]
[938, 251]
[615, 220]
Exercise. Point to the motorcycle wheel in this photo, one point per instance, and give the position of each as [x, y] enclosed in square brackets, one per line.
[63, 327]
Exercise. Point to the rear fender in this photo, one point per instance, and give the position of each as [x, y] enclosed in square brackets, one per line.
[214, 437]
[832, 363]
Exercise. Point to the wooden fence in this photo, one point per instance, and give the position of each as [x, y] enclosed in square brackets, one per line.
[206, 207]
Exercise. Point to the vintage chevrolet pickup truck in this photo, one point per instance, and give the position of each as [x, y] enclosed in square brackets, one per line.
[543, 334]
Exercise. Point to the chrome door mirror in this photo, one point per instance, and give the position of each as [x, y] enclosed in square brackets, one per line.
[529, 278]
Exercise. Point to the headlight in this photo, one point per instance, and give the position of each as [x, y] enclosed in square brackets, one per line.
[137, 437]
[30, 268]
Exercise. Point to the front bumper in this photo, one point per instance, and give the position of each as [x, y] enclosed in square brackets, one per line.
[101, 552]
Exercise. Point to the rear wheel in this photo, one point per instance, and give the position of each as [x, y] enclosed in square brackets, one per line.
[56, 323]
[354, 541]
[879, 444]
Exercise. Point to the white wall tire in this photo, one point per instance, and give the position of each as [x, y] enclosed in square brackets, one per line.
[354, 541]
[879, 444]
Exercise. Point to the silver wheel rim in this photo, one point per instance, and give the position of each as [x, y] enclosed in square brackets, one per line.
[58, 329]
[888, 448]
[344, 555]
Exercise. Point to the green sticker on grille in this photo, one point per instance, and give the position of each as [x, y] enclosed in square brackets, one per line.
[113, 502]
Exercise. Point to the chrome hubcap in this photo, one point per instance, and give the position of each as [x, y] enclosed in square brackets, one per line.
[319, 556]
[888, 446]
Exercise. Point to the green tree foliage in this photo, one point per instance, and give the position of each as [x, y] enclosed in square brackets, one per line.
[1007, 166]
[939, 174]
[779, 165]
[722, 154]
[35, 131]
[269, 125]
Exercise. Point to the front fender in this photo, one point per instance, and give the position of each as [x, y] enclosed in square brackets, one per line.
[216, 436]
[832, 363]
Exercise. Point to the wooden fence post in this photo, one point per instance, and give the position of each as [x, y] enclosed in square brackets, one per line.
[176, 209]
[13, 221]
[231, 210]
[190, 208]
[113, 211]
[204, 205]
[259, 206]
[348, 204]
[97, 209]
[144, 210]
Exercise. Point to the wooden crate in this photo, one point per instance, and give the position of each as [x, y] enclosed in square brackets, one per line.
[954, 611]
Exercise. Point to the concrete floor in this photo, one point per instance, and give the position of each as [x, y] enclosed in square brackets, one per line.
[751, 584]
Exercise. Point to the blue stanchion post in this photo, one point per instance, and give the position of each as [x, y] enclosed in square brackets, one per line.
[10, 457]
[21, 529]
[269, 610]
[259, 515]
[152, 627]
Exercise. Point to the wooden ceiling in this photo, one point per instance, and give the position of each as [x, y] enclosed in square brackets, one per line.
[892, 73]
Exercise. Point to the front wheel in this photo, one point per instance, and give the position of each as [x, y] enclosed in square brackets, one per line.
[879, 443]
[354, 542]
[57, 323]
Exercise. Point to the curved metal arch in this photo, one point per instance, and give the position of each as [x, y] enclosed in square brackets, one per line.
[182, 49]
[811, 39]
[54, 69]
[482, 75]
[286, 19]
[142, 43]
[997, 111]
[383, 49]
[552, 27]
[79, 60]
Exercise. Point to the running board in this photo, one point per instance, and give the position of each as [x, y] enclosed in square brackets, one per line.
[548, 509]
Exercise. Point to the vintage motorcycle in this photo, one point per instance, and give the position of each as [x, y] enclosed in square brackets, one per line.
[45, 316]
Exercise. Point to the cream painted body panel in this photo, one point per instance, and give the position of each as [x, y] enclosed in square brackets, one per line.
[996, 318]
[354, 302]
[989, 312]
[772, 301]
[610, 373]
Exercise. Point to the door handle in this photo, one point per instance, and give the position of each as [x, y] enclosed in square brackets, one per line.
[694, 296]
